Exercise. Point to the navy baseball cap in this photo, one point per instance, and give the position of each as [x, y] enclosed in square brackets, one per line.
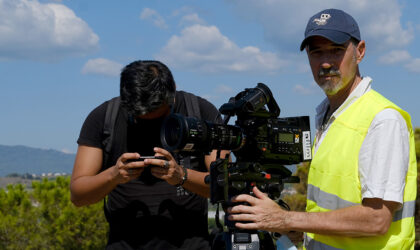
[332, 24]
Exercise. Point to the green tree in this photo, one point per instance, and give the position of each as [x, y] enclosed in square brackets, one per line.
[297, 201]
[43, 217]
[15, 210]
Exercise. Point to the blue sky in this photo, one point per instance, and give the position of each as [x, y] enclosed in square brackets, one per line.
[60, 59]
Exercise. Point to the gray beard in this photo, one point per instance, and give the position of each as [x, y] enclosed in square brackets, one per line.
[328, 86]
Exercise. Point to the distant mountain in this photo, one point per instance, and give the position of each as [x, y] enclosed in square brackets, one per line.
[22, 159]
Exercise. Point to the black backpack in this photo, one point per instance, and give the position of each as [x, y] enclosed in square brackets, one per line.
[191, 102]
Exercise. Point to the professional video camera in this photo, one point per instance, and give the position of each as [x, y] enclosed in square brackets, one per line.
[261, 143]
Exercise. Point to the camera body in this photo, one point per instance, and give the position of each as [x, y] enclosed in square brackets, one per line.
[279, 141]
[261, 142]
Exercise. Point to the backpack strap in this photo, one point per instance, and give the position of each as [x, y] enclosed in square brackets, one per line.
[109, 124]
[108, 136]
[191, 102]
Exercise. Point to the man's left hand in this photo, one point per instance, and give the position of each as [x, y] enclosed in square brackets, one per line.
[168, 169]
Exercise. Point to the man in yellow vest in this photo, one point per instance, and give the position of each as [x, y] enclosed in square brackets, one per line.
[362, 179]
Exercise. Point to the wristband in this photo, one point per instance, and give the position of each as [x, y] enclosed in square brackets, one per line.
[184, 178]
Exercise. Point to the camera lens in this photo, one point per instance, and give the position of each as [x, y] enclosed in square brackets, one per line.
[189, 134]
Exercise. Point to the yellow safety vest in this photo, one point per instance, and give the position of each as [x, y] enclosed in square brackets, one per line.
[333, 179]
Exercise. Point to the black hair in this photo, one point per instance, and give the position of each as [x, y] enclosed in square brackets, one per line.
[146, 86]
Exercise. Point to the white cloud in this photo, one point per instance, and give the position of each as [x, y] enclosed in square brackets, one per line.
[187, 16]
[102, 66]
[402, 57]
[413, 65]
[204, 48]
[395, 56]
[42, 32]
[284, 21]
[191, 19]
[154, 16]
[385, 28]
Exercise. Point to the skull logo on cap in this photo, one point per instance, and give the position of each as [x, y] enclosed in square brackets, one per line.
[323, 19]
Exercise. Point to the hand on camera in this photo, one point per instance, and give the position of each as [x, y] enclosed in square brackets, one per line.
[168, 169]
[262, 213]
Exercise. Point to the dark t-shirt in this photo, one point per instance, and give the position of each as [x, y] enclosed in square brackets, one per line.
[149, 213]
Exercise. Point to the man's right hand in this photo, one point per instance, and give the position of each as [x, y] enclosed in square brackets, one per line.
[124, 171]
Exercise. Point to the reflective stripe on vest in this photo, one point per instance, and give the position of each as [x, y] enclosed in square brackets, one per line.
[408, 210]
[313, 244]
[333, 202]
[326, 200]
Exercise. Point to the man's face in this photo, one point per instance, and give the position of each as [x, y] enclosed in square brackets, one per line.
[333, 66]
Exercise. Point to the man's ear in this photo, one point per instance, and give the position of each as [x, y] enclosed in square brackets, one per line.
[360, 51]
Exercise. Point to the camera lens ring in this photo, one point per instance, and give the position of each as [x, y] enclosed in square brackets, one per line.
[174, 135]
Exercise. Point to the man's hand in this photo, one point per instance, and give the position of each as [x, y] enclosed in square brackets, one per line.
[167, 170]
[262, 213]
[126, 171]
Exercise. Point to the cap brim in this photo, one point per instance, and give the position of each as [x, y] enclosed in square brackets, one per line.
[334, 36]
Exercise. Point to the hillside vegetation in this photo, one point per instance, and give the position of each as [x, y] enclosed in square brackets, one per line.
[44, 218]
